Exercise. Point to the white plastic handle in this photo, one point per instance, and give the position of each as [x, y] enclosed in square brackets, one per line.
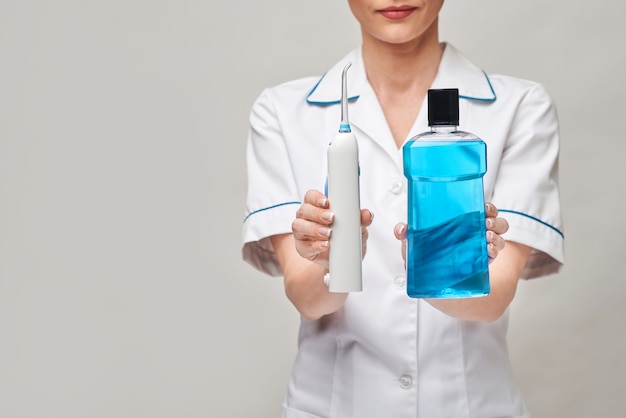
[345, 267]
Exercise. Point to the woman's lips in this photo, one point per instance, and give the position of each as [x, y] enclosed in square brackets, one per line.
[397, 12]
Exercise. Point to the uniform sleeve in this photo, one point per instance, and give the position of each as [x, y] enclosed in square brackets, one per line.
[526, 190]
[272, 198]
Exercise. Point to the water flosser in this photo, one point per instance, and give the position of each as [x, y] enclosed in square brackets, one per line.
[345, 256]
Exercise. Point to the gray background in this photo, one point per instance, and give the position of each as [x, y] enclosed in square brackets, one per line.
[122, 180]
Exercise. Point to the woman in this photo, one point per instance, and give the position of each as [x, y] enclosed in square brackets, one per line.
[379, 353]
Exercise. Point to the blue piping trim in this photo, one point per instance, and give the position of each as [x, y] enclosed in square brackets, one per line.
[483, 99]
[270, 207]
[350, 99]
[534, 219]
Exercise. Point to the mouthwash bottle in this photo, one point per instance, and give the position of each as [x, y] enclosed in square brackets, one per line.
[446, 238]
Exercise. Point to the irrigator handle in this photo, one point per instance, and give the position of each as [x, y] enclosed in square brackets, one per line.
[345, 268]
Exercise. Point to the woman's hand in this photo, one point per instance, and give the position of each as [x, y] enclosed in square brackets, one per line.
[312, 227]
[495, 228]
[304, 280]
[503, 273]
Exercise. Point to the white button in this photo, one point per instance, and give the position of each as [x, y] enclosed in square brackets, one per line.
[400, 282]
[396, 186]
[406, 381]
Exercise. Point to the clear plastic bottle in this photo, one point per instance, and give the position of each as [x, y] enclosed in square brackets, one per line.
[446, 242]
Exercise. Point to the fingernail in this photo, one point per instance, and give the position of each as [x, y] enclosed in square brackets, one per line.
[324, 244]
[328, 216]
[487, 207]
[400, 230]
[491, 235]
[325, 231]
[490, 223]
[371, 214]
[322, 203]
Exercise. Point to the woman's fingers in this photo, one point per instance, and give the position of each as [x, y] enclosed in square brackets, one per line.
[367, 217]
[400, 230]
[400, 233]
[315, 208]
[307, 230]
[495, 243]
[494, 223]
[491, 211]
[495, 228]
[312, 228]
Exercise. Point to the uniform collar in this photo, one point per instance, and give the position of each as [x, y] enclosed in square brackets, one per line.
[327, 91]
[455, 71]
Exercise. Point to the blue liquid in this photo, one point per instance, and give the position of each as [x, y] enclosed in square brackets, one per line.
[446, 244]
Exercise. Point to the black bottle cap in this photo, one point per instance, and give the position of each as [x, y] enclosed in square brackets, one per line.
[443, 107]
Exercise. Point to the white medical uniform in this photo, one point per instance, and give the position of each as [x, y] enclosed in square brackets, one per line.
[385, 354]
